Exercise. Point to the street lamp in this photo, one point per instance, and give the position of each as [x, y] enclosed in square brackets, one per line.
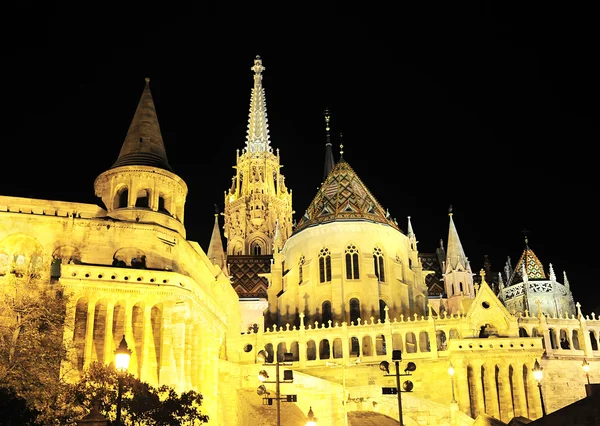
[451, 373]
[312, 420]
[122, 356]
[538, 374]
[288, 377]
[586, 369]
[407, 386]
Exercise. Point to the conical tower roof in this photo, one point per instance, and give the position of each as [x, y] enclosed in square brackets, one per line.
[531, 264]
[343, 197]
[144, 144]
[215, 252]
[455, 254]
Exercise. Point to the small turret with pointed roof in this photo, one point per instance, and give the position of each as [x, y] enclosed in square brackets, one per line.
[329, 160]
[215, 252]
[140, 186]
[458, 276]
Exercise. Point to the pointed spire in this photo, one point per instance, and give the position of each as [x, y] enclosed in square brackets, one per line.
[277, 240]
[215, 252]
[566, 280]
[552, 274]
[144, 144]
[455, 253]
[410, 228]
[257, 139]
[329, 161]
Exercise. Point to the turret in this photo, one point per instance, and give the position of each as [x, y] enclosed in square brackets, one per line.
[141, 185]
[458, 277]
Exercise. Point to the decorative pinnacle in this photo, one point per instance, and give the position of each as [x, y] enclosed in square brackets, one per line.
[450, 210]
[147, 79]
[258, 66]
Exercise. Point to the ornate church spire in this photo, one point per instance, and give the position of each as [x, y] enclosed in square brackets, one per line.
[329, 161]
[257, 139]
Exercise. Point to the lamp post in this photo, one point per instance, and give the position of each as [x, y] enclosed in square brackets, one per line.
[312, 420]
[451, 373]
[586, 369]
[122, 356]
[408, 385]
[538, 374]
[288, 377]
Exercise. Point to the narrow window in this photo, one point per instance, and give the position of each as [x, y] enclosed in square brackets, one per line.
[324, 265]
[326, 313]
[300, 265]
[352, 262]
[378, 264]
[354, 310]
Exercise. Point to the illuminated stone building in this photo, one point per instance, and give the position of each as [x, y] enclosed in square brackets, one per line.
[339, 290]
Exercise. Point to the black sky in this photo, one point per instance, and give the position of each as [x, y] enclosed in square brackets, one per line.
[489, 108]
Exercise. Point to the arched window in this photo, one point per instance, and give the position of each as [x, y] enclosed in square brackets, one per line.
[354, 310]
[256, 249]
[378, 264]
[326, 313]
[382, 306]
[122, 198]
[352, 262]
[324, 265]
[143, 198]
[300, 265]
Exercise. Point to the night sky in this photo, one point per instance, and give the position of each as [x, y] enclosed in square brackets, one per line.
[489, 109]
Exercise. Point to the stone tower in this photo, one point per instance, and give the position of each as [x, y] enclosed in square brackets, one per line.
[458, 276]
[141, 186]
[257, 203]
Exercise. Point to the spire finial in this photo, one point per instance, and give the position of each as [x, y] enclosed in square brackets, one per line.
[147, 79]
[525, 231]
[450, 210]
[258, 66]
[327, 115]
[341, 147]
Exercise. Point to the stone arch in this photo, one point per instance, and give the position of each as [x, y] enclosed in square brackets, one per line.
[593, 340]
[237, 247]
[143, 197]
[424, 345]
[411, 343]
[129, 256]
[338, 351]
[311, 350]
[67, 254]
[324, 349]
[440, 340]
[258, 245]
[22, 255]
[121, 197]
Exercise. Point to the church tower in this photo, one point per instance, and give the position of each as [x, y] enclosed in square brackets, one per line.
[141, 185]
[458, 276]
[258, 206]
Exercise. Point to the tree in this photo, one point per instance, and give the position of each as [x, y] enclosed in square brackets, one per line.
[32, 320]
[142, 403]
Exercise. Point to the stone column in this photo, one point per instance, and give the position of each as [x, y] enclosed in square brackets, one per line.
[461, 383]
[166, 368]
[109, 354]
[477, 390]
[145, 373]
[518, 389]
[89, 334]
[504, 387]
[491, 392]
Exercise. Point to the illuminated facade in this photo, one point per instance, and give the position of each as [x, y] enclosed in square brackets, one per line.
[339, 290]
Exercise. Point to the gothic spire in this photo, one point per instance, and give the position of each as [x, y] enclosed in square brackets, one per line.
[329, 161]
[215, 252]
[257, 139]
[455, 254]
[410, 228]
[143, 145]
